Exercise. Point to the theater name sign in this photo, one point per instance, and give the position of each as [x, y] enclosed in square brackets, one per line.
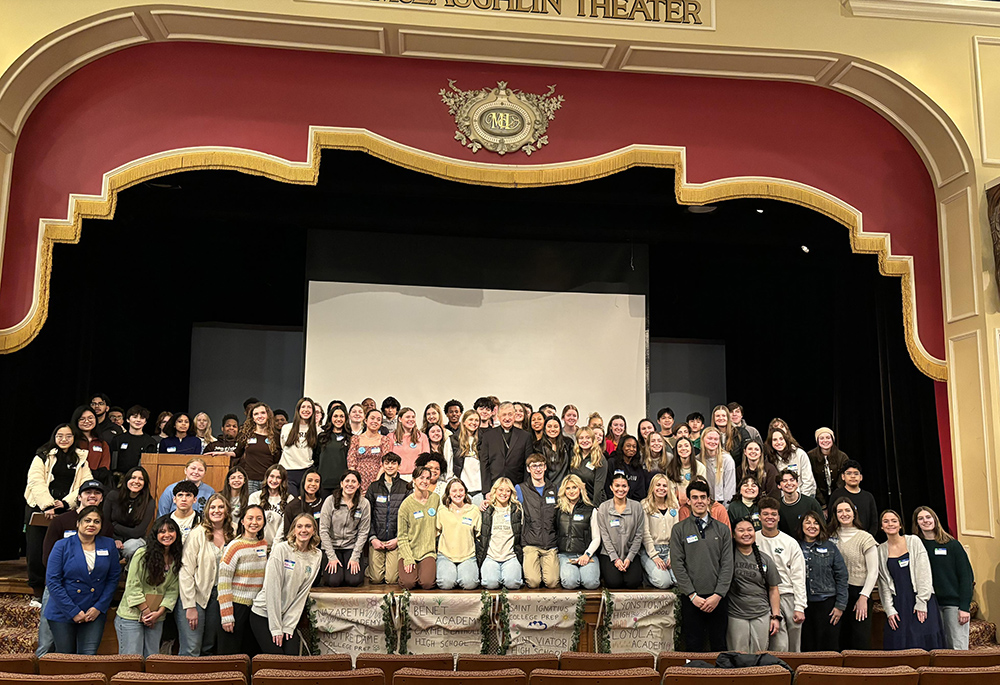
[691, 14]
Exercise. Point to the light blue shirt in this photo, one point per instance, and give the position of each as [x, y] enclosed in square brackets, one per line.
[166, 503]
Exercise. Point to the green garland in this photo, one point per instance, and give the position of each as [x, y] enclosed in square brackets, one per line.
[579, 624]
[486, 623]
[503, 622]
[313, 630]
[604, 641]
[678, 638]
[388, 623]
[404, 622]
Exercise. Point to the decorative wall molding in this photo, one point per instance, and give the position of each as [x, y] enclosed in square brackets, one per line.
[958, 257]
[974, 12]
[985, 121]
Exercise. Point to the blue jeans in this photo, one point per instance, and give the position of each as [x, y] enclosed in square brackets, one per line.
[496, 572]
[658, 578]
[135, 638]
[572, 576]
[46, 643]
[201, 640]
[465, 574]
[78, 638]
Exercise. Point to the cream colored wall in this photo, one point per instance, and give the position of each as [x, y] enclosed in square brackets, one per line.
[956, 65]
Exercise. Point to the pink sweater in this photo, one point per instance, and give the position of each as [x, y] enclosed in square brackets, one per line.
[408, 455]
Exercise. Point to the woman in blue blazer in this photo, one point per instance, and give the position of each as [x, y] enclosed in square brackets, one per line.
[82, 576]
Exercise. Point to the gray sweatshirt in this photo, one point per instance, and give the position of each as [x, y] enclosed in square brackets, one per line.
[703, 565]
[621, 533]
[339, 529]
[288, 577]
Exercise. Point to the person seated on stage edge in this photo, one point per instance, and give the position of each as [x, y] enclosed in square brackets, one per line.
[385, 496]
[180, 437]
[538, 536]
[194, 472]
[241, 576]
[198, 618]
[622, 523]
[498, 550]
[150, 590]
[130, 509]
[754, 613]
[291, 570]
[274, 499]
[344, 523]
[660, 508]
[786, 553]
[458, 524]
[793, 504]
[82, 576]
[417, 533]
[701, 551]
[578, 535]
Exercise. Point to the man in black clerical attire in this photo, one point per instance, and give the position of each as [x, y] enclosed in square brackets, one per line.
[504, 449]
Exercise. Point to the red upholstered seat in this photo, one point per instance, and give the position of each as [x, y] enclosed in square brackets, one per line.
[422, 676]
[585, 661]
[493, 662]
[277, 676]
[69, 664]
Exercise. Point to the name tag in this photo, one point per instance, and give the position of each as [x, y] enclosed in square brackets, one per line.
[821, 550]
[550, 500]
[940, 552]
[124, 445]
[316, 515]
[763, 565]
[68, 533]
[418, 514]
[691, 538]
[357, 514]
[381, 499]
[102, 552]
[903, 563]
[792, 467]
[97, 448]
[252, 441]
[262, 552]
[467, 520]
[615, 523]
[340, 438]
[578, 517]
[590, 466]
[171, 449]
[673, 512]
[506, 517]
[289, 564]
[755, 516]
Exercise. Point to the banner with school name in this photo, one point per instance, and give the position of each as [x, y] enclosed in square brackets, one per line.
[542, 622]
[349, 623]
[443, 622]
[642, 622]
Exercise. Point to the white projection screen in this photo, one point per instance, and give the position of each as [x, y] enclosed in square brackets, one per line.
[428, 344]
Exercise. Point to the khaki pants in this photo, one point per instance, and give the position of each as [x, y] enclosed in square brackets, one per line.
[541, 565]
[789, 637]
[383, 565]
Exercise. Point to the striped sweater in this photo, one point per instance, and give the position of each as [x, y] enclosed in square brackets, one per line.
[241, 574]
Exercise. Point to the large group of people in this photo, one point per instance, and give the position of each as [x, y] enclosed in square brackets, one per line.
[768, 547]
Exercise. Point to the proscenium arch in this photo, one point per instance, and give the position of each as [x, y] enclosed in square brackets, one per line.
[506, 176]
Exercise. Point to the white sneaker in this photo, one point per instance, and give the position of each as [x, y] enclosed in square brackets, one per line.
[35, 603]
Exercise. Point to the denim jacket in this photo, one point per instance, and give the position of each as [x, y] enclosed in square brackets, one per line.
[826, 573]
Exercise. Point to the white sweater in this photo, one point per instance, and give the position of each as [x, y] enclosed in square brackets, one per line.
[800, 463]
[200, 569]
[920, 575]
[787, 555]
[36, 494]
[288, 577]
[274, 519]
[298, 456]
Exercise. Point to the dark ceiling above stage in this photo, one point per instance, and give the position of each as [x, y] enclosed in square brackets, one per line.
[814, 337]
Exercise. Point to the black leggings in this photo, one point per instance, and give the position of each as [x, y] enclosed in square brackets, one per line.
[241, 640]
[855, 634]
[342, 576]
[615, 579]
[818, 633]
[262, 631]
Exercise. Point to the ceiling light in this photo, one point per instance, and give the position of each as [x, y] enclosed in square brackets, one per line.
[805, 249]
[760, 211]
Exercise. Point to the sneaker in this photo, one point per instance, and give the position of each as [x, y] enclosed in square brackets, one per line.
[35, 603]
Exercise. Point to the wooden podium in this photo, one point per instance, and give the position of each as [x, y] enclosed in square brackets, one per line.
[167, 469]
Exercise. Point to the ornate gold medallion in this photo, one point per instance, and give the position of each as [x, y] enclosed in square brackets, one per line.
[501, 119]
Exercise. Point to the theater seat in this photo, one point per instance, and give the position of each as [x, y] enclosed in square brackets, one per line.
[585, 661]
[493, 662]
[944, 675]
[390, 663]
[964, 658]
[668, 659]
[108, 664]
[18, 663]
[223, 678]
[796, 659]
[423, 676]
[32, 679]
[628, 676]
[181, 665]
[758, 675]
[833, 675]
[859, 658]
[278, 676]
[320, 662]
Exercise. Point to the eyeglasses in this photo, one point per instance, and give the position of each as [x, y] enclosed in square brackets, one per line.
[99, 403]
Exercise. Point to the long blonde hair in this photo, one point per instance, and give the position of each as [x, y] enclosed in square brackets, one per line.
[562, 503]
[718, 472]
[464, 436]
[313, 541]
[728, 439]
[207, 433]
[596, 454]
[227, 528]
[647, 455]
[649, 504]
[497, 484]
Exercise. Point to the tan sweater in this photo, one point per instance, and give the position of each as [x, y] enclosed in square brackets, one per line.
[458, 532]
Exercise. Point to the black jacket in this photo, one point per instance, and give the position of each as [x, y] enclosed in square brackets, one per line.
[539, 516]
[573, 529]
[486, 532]
[504, 460]
[385, 507]
[331, 460]
[556, 462]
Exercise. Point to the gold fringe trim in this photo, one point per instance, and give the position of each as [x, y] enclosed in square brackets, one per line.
[508, 176]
